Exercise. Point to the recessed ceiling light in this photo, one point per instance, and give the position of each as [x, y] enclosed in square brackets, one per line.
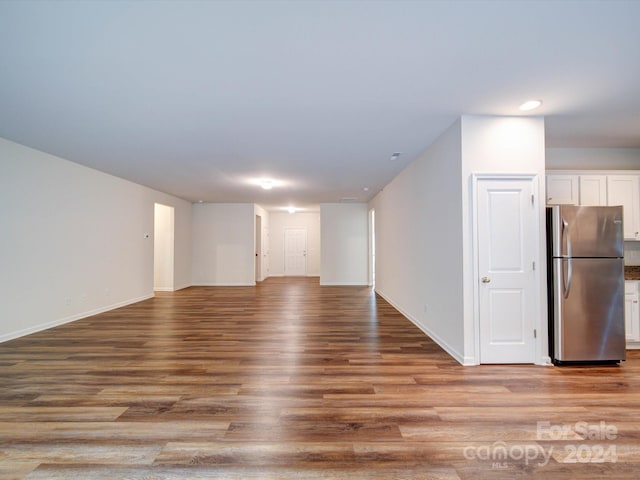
[394, 156]
[199, 201]
[530, 105]
[291, 209]
[366, 189]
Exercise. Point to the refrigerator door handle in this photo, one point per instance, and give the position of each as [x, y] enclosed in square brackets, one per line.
[567, 235]
[567, 285]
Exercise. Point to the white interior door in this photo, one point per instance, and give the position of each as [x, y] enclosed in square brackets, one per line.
[295, 251]
[507, 226]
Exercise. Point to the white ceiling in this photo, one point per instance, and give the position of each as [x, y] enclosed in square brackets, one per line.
[196, 98]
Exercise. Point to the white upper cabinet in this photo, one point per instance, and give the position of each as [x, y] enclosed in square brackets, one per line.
[625, 190]
[593, 190]
[562, 189]
[574, 187]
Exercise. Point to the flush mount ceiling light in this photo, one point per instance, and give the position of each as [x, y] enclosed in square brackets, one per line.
[265, 183]
[530, 105]
[291, 209]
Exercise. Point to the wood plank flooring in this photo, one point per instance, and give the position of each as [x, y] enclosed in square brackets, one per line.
[290, 380]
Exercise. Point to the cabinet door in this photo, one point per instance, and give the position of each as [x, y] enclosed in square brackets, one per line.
[562, 189]
[625, 190]
[593, 190]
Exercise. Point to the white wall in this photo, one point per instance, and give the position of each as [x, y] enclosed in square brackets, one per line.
[424, 235]
[501, 145]
[344, 230]
[419, 242]
[73, 240]
[278, 221]
[593, 158]
[223, 244]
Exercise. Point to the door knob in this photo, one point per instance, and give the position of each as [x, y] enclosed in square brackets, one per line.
[485, 279]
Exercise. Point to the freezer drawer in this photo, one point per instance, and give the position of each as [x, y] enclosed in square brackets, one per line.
[588, 322]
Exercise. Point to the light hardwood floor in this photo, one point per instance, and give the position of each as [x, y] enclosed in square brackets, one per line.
[296, 381]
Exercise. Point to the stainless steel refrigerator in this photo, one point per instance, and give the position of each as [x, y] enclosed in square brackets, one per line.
[585, 274]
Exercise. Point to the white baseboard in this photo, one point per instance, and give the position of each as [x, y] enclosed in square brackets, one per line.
[283, 275]
[61, 321]
[461, 359]
[546, 361]
[169, 289]
[467, 361]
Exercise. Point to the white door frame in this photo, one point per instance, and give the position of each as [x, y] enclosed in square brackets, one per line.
[540, 314]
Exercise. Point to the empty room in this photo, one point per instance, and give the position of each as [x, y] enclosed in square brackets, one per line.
[315, 239]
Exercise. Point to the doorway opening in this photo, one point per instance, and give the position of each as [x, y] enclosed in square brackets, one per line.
[163, 247]
[258, 248]
[372, 248]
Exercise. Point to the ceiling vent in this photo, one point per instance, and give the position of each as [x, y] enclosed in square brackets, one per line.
[348, 199]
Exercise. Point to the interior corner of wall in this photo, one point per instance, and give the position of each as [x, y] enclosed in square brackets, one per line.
[468, 361]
